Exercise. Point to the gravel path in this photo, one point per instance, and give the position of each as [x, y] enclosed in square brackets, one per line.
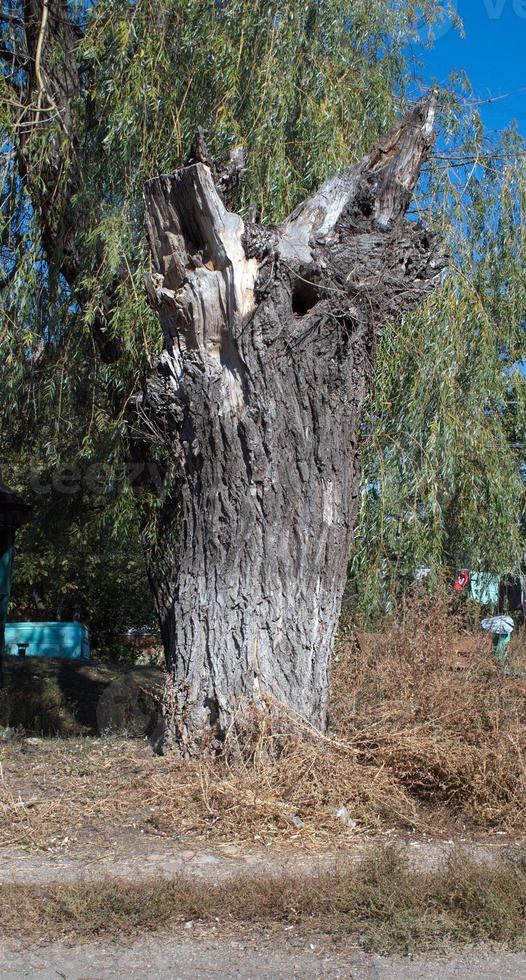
[204, 952]
[193, 959]
[145, 857]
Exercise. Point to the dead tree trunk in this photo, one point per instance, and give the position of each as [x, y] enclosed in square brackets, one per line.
[268, 342]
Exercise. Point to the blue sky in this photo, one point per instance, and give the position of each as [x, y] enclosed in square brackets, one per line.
[493, 54]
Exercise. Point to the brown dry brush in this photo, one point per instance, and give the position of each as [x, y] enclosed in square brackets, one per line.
[425, 730]
[382, 904]
[426, 733]
[432, 707]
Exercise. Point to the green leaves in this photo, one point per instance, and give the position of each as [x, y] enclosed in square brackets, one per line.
[446, 434]
[306, 87]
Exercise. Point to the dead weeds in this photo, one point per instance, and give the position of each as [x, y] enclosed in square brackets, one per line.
[426, 732]
[381, 904]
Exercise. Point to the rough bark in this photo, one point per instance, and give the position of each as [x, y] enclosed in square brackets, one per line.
[268, 344]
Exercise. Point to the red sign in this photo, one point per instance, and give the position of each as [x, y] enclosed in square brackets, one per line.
[461, 581]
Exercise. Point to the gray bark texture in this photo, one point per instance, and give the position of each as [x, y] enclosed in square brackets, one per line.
[269, 336]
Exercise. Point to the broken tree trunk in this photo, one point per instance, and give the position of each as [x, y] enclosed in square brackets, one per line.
[268, 343]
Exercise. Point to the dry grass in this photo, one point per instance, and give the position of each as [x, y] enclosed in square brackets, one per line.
[426, 732]
[430, 705]
[381, 904]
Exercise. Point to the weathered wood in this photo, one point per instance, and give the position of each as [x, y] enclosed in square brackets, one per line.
[268, 343]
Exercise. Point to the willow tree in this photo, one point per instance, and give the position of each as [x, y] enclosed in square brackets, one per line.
[269, 335]
[96, 97]
[445, 429]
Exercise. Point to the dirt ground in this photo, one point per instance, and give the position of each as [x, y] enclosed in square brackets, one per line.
[428, 753]
[137, 857]
[242, 951]
[54, 828]
[199, 957]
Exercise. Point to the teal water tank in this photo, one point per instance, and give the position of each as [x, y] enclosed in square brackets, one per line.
[69, 641]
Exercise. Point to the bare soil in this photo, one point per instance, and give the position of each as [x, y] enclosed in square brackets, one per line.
[51, 697]
[427, 750]
[187, 956]
[86, 811]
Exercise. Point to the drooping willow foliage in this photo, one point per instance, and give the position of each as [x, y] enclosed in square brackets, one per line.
[305, 87]
[445, 439]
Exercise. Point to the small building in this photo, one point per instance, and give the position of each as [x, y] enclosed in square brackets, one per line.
[68, 641]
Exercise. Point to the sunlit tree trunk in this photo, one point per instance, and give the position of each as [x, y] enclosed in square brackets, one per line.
[269, 338]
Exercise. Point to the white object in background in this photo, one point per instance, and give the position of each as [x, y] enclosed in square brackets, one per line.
[498, 625]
